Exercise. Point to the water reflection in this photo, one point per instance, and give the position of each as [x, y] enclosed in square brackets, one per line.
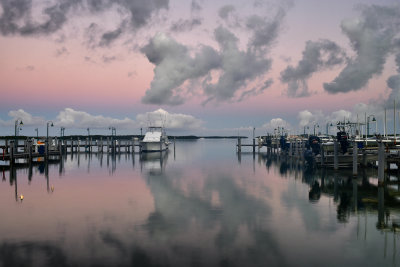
[156, 210]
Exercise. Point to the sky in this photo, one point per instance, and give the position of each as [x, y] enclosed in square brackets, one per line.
[197, 67]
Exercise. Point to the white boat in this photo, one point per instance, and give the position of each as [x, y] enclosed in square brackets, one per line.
[154, 140]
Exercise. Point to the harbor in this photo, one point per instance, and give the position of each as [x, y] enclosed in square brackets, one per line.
[129, 206]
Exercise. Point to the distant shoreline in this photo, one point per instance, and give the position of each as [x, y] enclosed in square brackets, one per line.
[124, 137]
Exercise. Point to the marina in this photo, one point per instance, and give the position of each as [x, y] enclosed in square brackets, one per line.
[208, 206]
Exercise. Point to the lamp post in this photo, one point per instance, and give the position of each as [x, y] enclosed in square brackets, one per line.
[37, 133]
[62, 130]
[88, 132]
[373, 119]
[316, 126]
[113, 131]
[51, 125]
[18, 123]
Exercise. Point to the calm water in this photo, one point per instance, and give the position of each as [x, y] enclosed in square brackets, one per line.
[199, 206]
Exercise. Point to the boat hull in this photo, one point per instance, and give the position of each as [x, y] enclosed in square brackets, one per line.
[153, 146]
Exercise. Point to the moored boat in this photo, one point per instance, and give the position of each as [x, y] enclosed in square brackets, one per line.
[154, 140]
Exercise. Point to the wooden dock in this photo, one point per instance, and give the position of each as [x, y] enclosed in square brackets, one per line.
[55, 148]
[379, 153]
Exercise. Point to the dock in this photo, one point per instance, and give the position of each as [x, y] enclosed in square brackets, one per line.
[54, 149]
[379, 153]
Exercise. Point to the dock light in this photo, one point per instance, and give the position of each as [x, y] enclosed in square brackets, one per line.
[373, 119]
[21, 197]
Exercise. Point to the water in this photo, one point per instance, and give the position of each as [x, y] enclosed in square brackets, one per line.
[200, 206]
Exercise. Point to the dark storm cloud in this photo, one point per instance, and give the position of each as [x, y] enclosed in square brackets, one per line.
[323, 54]
[18, 16]
[372, 37]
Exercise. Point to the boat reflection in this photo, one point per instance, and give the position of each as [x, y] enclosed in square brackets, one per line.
[154, 162]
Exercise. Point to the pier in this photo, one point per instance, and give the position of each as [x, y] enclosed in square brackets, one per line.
[33, 150]
[358, 153]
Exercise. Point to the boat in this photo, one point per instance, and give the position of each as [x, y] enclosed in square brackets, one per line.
[155, 140]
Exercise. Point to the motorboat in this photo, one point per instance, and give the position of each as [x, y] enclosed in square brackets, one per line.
[154, 140]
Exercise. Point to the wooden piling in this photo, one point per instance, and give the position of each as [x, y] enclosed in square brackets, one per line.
[355, 158]
[322, 151]
[335, 155]
[381, 163]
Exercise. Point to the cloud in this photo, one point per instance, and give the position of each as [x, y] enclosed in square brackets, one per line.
[256, 90]
[27, 119]
[319, 55]
[220, 75]
[275, 123]
[62, 51]
[172, 121]
[264, 30]
[109, 59]
[185, 25]
[195, 6]
[71, 118]
[306, 117]
[174, 66]
[233, 75]
[22, 17]
[108, 37]
[393, 82]
[372, 37]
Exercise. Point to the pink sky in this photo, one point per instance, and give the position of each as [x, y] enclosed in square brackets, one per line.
[45, 73]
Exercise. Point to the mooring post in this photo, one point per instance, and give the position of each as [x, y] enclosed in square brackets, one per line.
[6, 148]
[11, 154]
[290, 148]
[335, 155]
[355, 158]
[254, 146]
[239, 148]
[30, 151]
[46, 153]
[322, 149]
[108, 144]
[381, 163]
